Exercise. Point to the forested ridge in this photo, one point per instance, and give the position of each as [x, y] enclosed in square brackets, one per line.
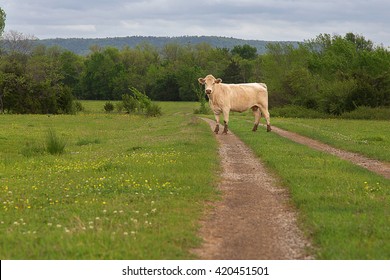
[332, 74]
[82, 45]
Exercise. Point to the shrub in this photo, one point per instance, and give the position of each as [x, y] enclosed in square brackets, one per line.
[78, 107]
[140, 103]
[109, 107]
[130, 104]
[54, 144]
[153, 110]
[203, 109]
[119, 107]
[368, 113]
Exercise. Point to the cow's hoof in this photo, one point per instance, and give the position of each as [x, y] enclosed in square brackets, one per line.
[269, 128]
[254, 129]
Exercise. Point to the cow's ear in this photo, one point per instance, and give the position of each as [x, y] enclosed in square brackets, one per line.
[217, 81]
[201, 81]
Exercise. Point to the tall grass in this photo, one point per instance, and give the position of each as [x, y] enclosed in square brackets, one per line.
[55, 145]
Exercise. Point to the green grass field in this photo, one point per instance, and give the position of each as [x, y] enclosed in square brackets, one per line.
[343, 208]
[126, 187]
[131, 187]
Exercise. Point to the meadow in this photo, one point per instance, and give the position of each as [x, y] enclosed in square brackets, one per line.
[131, 187]
[126, 186]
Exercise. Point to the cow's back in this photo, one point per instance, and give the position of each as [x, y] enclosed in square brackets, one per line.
[245, 96]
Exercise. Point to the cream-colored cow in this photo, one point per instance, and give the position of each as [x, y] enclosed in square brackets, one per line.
[224, 98]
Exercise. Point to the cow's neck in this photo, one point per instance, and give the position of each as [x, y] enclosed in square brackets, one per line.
[216, 96]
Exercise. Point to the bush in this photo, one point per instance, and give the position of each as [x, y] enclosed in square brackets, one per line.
[203, 109]
[153, 110]
[130, 104]
[140, 103]
[109, 107]
[368, 113]
[78, 107]
[119, 107]
[54, 144]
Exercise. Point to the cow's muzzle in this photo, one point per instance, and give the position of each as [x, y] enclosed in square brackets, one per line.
[208, 91]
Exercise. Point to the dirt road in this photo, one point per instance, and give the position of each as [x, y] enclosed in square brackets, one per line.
[254, 219]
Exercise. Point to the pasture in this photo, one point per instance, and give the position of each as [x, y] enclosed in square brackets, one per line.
[126, 187]
[130, 187]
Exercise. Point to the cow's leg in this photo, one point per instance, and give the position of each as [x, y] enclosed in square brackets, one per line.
[216, 130]
[257, 113]
[226, 121]
[264, 111]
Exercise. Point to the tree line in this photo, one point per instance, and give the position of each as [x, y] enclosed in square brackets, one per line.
[331, 74]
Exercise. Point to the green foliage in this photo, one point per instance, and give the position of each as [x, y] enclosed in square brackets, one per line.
[130, 104]
[82, 46]
[108, 107]
[232, 73]
[204, 108]
[368, 113]
[55, 145]
[140, 103]
[332, 74]
[153, 110]
[78, 106]
[246, 51]
[2, 20]
[32, 83]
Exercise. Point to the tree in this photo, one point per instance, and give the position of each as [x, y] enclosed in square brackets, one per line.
[33, 83]
[17, 42]
[2, 21]
[71, 68]
[245, 51]
[331, 73]
[232, 74]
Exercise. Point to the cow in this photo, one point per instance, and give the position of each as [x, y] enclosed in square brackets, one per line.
[224, 98]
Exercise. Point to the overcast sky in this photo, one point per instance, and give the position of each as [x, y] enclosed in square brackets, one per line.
[245, 19]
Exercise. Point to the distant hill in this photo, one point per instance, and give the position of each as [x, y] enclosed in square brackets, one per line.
[81, 46]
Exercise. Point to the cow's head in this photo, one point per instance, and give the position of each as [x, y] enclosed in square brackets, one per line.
[209, 83]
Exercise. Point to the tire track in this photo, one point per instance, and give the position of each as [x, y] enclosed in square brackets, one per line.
[254, 219]
[379, 167]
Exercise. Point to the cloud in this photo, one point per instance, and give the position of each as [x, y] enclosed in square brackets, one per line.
[247, 19]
